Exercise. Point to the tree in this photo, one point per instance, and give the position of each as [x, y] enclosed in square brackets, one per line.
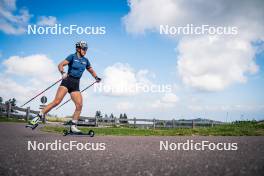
[105, 116]
[112, 117]
[1, 101]
[121, 116]
[13, 102]
[125, 117]
[98, 115]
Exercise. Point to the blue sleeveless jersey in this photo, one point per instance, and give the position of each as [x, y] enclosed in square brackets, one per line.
[77, 65]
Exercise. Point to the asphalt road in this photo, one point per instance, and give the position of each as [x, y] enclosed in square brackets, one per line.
[125, 155]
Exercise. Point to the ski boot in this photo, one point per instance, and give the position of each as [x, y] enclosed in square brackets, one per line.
[34, 122]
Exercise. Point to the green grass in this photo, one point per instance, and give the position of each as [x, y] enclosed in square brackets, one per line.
[236, 129]
[55, 119]
[5, 119]
[244, 128]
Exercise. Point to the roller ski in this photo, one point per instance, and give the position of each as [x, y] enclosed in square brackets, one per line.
[34, 122]
[73, 130]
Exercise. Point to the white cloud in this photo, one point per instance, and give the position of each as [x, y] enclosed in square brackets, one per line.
[24, 77]
[121, 80]
[205, 62]
[38, 68]
[214, 64]
[125, 106]
[149, 14]
[9, 89]
[12, 22]
[8, 4]
[226, 108]
[47, 21]
[168, 100]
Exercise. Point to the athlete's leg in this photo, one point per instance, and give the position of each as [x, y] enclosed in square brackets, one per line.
[76, 97]
[61, 92]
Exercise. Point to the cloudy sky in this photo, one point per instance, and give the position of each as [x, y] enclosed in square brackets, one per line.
[219, 77]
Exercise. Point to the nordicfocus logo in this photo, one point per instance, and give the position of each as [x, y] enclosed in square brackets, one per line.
[191, 29]
[203, 145]
[58, 145]
[134, 88]
[59, 29]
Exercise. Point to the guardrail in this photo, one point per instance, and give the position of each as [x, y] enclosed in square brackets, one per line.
[147, 123]
[9, 110]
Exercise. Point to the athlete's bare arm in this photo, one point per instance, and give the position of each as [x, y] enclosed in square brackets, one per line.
[91, 70]
[62, 64]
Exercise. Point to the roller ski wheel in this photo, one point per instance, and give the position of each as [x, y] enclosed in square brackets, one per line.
[65, 132]
[32, 126]
[91, 133]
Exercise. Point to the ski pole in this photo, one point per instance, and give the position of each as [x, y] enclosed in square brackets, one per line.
[81, 91]
[41, 92]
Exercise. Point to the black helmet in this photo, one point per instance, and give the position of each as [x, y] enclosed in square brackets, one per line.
[82, 44]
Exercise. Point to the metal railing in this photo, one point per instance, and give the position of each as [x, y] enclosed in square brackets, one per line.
[146, 123]
[11, 111]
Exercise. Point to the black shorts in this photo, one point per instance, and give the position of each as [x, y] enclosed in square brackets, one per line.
[71, 83]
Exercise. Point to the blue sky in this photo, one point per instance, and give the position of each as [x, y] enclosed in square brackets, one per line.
[126, 54]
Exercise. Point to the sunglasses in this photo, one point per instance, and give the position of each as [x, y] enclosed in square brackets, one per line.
[85, 48]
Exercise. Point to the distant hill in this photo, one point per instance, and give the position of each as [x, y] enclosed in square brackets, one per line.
[200, 120]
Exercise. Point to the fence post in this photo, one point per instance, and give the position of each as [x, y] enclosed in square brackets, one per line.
[154, 123]
[27, 113]
[173, 123]
[193, 126]
[1, 109]
[96, 121]
[8, 109]
[115, 121]
[44, 119]
[134, 122]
